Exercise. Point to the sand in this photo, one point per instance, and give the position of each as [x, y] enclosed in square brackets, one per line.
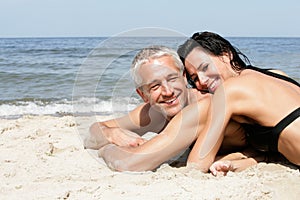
[42, 157]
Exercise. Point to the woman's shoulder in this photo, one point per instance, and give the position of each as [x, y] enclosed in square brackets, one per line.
[251, 78]
[246, 85]
[244, 78]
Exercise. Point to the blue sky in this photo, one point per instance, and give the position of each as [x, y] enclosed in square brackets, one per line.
[56, 18]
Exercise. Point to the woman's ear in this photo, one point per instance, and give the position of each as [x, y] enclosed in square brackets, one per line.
[226, 57]
[142, 95]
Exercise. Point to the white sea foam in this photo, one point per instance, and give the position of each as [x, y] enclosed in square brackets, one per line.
[84, 106]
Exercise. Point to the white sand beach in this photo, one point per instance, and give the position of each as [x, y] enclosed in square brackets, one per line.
[42, 157]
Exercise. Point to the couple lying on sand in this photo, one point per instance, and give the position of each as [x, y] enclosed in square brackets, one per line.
[232, 107]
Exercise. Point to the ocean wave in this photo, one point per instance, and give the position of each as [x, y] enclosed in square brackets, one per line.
[61, 107]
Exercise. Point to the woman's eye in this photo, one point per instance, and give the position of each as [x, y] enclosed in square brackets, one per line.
[194, 78]
[204, 69]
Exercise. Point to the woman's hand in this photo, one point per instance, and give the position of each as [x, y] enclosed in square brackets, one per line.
[234, 162]
[221, 167]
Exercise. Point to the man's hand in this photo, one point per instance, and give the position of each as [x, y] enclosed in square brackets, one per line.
[122, 137]
[101, 135]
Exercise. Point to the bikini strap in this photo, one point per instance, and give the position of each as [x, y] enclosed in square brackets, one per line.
[268, 72]
[282, 125]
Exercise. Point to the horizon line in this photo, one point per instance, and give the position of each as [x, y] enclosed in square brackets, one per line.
[91, 36]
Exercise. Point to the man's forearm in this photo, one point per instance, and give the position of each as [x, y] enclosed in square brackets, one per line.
[145, 157]
[120, 158]
[123, 159]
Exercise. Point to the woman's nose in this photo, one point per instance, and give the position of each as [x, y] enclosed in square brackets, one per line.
[203, 78]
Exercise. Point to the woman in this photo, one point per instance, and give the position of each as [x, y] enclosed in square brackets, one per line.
[266, 103]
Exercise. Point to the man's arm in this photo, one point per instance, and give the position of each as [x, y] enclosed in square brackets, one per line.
[181, 131]
[126, 130]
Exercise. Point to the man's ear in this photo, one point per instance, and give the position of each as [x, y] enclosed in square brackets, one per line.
[184, 73]
[185, 77]
[142, 95]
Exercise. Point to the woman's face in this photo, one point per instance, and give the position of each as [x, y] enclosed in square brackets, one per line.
[206, 70]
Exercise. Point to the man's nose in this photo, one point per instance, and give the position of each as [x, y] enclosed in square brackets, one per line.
[167, 89]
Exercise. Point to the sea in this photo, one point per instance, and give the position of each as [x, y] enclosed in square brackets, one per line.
[90, 75]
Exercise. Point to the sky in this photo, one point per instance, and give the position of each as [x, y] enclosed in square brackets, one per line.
[98, 18]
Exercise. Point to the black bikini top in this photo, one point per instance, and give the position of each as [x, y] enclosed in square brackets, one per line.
[268, 72]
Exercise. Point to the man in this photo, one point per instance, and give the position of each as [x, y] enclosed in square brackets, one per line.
[158, 75]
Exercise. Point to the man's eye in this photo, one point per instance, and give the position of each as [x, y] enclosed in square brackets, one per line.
[154, 87]
[173, 78]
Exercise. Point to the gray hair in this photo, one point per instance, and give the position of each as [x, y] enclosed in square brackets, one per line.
[152, 52]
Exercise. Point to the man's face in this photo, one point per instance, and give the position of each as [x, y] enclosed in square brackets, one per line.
[163, 86]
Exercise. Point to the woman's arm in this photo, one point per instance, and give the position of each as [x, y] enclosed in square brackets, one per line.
[229, 98]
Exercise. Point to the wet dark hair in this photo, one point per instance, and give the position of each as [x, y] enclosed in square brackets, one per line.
[216, 45]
